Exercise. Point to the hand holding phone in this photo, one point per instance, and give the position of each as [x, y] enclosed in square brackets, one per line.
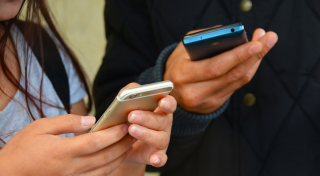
[144, 98]
[151, 128]
[214, 41]
[203, 86]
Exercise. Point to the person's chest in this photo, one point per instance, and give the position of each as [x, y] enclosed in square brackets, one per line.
[173, 19]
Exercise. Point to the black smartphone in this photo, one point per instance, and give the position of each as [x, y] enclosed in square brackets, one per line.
[211, 42]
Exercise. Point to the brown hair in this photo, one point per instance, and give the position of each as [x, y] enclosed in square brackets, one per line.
[37, 13]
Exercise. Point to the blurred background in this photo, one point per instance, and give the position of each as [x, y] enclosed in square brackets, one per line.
[81, 23]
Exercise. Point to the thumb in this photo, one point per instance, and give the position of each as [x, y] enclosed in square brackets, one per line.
[64, 124]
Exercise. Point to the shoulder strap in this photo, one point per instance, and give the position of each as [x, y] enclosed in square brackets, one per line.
[53, 65]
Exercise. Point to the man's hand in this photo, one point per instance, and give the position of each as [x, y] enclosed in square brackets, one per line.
[203, 86]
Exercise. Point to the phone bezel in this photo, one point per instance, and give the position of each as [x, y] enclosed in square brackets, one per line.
[145, 90]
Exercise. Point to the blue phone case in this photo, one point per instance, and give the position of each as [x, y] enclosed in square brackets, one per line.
[211, 42]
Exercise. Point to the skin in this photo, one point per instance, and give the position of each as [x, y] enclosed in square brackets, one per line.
[213, 80]
[36, 150]
[152, 130]
[9, 9]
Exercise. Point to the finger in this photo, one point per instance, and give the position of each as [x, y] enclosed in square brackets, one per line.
[219, 65]
[236, 85]
[167, 105]
[217, 104]
[213, 92]
[151, 120]
[63, 124]
[129, 86]
[212, 99]
[158, 158]
[241, 70]
[107, 155]
[158, 139]
[93, 142]
[108, 168]
[193, 96]
[258, 33]
[196, 95]
[199, 30]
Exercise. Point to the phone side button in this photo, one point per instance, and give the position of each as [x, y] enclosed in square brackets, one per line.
[215, 43]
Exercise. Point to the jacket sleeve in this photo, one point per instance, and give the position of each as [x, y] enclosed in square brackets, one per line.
[132, 56]
[188, 128]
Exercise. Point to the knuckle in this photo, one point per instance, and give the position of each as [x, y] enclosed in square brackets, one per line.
[190, 99]
[71, 119]
[215, 101]
[108, 157]
[261, 54]
[95, 142]
[164, 142]
[235, 74]
[237, 57]
[246, 78]
[162, 123]
[145, 136]
[107, 171]
[177, 78]
[145, 119]
[213, 70]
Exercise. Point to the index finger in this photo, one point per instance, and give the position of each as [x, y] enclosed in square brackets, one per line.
[219, 65]
[96, 141]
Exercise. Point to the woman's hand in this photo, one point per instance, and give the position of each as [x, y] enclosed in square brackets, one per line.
[36, 150]
[152, 129]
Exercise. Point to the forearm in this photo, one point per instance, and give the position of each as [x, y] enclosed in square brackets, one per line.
[126, 169]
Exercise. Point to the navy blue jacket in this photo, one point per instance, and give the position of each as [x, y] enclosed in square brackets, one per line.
[278, 135]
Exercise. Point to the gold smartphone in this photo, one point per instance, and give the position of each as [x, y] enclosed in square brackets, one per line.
[144, 98]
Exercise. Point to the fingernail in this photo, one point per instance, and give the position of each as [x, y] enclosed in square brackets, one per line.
[135, 118]
[262, 33]
[135, 131]
[164, 105]
[271, 40]
[157, 161]
[254, 49]
[88, 120]
[125, 128]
